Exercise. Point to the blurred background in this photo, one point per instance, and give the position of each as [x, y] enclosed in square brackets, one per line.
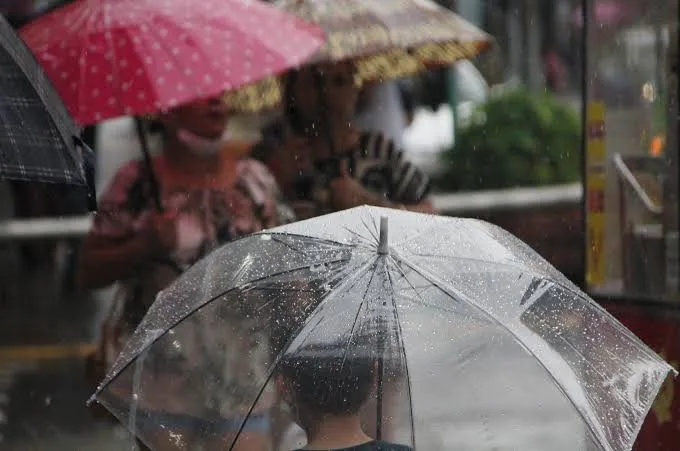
[513, 137]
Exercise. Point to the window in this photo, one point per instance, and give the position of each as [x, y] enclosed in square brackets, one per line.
[631, 149]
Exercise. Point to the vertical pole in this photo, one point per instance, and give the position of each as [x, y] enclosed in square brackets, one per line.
[470, 10]
[148, 164]
[585, 98]
[452, 91]
[531, 13]
[383, 244]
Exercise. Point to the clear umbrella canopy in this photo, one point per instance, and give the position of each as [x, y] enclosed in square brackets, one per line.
[469, 341]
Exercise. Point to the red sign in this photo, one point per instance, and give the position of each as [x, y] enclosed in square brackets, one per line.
[597, 130]
[661, 430]
[595, 200]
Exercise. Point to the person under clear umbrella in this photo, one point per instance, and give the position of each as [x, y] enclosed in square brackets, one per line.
[323, 163]
[210, 195]
[327, 387]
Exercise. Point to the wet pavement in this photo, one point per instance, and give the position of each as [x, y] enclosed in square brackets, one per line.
[45, 335]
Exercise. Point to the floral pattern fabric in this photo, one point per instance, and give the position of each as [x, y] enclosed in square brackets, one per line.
[209, 215]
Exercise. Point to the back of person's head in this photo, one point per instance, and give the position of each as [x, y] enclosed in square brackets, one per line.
[325, 380]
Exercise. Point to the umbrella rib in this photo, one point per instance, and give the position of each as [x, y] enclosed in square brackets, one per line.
[324, 241]
[600, 309]
[374, 234]
[403, 353]
[358, 235]
[413, 287]
[356, 317]
[442, 286]
[293, 248]
[196, 308]
[115, 71]
[89, 19]
[288, 245]
[350, 277]
[179, 62]
[525, 270]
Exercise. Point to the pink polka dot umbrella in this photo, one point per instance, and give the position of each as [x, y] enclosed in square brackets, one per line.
[110, 58]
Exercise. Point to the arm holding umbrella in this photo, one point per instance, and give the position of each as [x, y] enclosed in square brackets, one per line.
[112, 250]
[348, 192]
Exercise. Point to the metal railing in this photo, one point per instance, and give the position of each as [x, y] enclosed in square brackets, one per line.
[458, 204]
[13, 230]
[625, 166]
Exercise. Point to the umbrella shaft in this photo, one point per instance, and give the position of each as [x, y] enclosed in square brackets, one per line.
[148, 163]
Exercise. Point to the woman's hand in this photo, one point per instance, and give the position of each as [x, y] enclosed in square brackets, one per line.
[348, 192]
[104, 261]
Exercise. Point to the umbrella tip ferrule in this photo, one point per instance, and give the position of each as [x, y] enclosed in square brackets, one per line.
[383, 244]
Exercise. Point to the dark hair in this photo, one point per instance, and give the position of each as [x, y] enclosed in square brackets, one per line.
[291, 111]
[329, 384]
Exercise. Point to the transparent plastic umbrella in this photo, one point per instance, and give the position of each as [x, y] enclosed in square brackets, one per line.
[477, 342]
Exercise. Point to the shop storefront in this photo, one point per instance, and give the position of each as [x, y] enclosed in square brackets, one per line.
[631, 182]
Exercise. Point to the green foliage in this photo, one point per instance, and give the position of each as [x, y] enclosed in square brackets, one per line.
[517, 138]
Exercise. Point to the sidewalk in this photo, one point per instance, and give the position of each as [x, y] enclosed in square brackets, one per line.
[45, 409]
[102, 439]
[44, 338]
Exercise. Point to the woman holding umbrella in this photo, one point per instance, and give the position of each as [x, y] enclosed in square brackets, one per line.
[175, 59]
[324, 163]
[210, 196]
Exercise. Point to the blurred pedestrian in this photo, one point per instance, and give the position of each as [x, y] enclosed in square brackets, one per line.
[323, 162]
[211, 193]
[554, 71]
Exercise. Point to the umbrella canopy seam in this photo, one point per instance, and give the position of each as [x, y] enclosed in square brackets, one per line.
[442, 286]
[198, 307]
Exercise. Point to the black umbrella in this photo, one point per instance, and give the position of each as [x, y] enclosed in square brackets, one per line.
[39, 142]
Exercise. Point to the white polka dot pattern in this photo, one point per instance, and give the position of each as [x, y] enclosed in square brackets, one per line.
[108, 58]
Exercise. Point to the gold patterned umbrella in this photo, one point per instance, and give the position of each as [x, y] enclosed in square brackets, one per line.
[387, 39]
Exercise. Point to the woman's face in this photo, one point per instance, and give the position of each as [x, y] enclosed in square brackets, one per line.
[206, 118]
[339, 88]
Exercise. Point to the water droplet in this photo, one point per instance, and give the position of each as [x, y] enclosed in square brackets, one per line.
[317, 268]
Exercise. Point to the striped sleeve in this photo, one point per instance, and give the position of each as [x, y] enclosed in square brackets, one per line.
[408, 183]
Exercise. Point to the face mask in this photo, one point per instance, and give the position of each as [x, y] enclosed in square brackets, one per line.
[200, 146]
